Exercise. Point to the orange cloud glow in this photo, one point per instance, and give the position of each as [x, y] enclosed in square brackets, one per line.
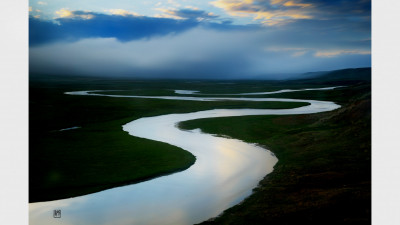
[122, 12]
[287, 12]
[168, 13]
[292, 3]
[65, 13]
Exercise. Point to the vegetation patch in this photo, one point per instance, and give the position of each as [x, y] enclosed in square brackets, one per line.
[323, 175]
[100, 155]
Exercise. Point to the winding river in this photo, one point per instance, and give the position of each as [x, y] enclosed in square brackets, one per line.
[225, 172]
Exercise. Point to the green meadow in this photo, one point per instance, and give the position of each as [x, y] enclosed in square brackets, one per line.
[100, 155]
[323, 175]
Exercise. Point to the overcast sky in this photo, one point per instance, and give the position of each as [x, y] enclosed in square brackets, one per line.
[198, 39]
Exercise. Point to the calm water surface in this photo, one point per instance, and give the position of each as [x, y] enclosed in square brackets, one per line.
[225, 172]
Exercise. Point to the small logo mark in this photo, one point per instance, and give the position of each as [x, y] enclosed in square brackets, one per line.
[57, 213]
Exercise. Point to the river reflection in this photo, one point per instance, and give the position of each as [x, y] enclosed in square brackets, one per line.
[225, 172]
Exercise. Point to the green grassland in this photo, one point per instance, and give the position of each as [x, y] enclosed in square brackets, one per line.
[324, 171]
[323, 175]
[99, 155]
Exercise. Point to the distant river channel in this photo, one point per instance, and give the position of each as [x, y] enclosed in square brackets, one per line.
[224, 174]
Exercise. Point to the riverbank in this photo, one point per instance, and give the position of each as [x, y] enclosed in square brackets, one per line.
[323, 175]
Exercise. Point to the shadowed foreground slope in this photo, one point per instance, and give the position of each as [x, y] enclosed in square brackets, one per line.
[324, 171]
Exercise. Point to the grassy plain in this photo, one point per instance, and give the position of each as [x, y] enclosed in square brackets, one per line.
[99, 155]
[324, 171]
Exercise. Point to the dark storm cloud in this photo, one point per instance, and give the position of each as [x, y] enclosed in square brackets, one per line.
[193, 14]
[339, 8]
[202, 53]
[280, 12]
[123, 28]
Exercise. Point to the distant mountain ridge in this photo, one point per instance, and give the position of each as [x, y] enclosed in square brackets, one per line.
[337, 76]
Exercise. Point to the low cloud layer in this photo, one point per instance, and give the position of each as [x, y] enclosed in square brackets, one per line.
[199, 53]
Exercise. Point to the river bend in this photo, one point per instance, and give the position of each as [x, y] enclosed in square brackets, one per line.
[225, 172]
